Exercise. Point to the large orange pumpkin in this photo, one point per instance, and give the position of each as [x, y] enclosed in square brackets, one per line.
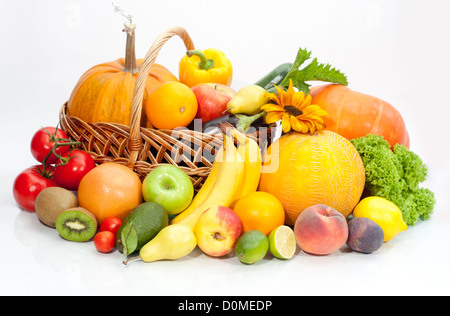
[353, 114]
[104, 93]
[302, 170]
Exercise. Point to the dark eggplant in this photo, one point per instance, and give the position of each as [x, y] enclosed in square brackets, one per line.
[239, 121]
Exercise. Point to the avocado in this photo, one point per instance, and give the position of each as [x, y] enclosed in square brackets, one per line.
[141, 225]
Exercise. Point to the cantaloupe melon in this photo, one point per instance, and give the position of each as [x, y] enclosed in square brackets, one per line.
[302, 170]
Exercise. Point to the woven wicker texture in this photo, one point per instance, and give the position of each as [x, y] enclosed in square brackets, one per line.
[143, 149]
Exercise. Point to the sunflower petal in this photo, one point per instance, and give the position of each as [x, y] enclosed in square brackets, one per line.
[314, 110]
[296, 124]
[297, 99]
[289, 94]
[270, 107]
[273, 117]
[274, 98]
[285, 123]
[306, 101]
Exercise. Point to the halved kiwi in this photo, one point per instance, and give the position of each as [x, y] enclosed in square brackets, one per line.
[76, 224]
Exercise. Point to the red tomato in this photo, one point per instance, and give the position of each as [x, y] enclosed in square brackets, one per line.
[28, 184]
[111, 224]
[104, 241]
[44, 140]
[70, 171]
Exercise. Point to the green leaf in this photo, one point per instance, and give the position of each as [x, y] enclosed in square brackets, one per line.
[302, 56]
[129, 240]
[314, 71]
[246, 121]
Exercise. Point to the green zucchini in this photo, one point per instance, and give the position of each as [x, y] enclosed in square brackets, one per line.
[275, 77]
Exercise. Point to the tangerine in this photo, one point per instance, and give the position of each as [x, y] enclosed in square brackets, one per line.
[261, 211]
[172, 105]
[110, 190]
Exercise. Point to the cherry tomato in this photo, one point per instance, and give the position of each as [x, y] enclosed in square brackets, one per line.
[29, 183]
[111, 224]
[105, 241]
[72, 168]
[44, 140]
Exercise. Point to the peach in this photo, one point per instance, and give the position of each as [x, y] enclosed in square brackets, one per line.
[320, 230]
[217, 231]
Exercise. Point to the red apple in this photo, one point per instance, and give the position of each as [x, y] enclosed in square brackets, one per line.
[321, 230]
[212, 99]
[217, 231]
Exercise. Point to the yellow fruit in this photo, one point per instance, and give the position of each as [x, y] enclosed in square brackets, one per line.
[248, 100]
[204, 191]
[171, 243]
[251, 153]
[383, 212]
[261, 211]
[302, 170]
[228, 178]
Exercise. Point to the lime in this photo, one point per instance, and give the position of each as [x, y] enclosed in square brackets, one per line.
[383, 212]
[252, 246]
[282, 243]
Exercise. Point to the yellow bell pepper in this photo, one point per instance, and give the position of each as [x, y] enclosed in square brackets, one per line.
[208, 66]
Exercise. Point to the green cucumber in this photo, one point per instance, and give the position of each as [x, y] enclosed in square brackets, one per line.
[275, 77]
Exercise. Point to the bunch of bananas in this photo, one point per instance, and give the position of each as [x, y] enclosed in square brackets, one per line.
[235, 173]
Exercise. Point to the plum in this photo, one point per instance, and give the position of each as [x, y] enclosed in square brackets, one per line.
[364, 235]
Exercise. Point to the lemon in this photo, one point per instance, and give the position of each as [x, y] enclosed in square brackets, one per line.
[383, 212]
[282, 243]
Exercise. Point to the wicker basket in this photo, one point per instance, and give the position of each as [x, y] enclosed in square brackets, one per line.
[143, 149]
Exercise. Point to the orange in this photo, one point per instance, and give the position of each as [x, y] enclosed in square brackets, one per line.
[302, 170]
[172, 105]
[110, 190]
[261, 211]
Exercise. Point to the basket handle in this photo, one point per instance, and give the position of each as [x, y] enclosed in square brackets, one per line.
[135, 140]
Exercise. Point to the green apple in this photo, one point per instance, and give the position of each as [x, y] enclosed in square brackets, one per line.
[170, 187]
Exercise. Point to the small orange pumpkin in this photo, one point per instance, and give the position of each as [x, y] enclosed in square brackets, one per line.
[104, 93]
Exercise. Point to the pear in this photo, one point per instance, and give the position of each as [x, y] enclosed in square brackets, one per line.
[171, 243]
[248, 100]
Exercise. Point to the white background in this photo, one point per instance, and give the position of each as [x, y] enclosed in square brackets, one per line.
[397, 50]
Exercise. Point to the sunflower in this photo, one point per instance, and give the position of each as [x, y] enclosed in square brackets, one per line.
[295, 111]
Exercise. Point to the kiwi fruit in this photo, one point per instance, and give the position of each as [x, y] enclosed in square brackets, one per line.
[51, 202]
[76, 224]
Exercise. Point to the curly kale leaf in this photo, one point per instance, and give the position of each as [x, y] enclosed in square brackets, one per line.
[396, 175]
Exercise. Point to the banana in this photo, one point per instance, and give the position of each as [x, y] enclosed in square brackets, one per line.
[250, 151]
[204, 191]
[229, 178]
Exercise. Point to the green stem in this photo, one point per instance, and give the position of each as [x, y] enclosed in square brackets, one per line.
[58, 142]
[204, 63]
[127, 261]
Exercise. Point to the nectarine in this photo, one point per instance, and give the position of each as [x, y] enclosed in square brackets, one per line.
[217, 231]
[321, 230]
